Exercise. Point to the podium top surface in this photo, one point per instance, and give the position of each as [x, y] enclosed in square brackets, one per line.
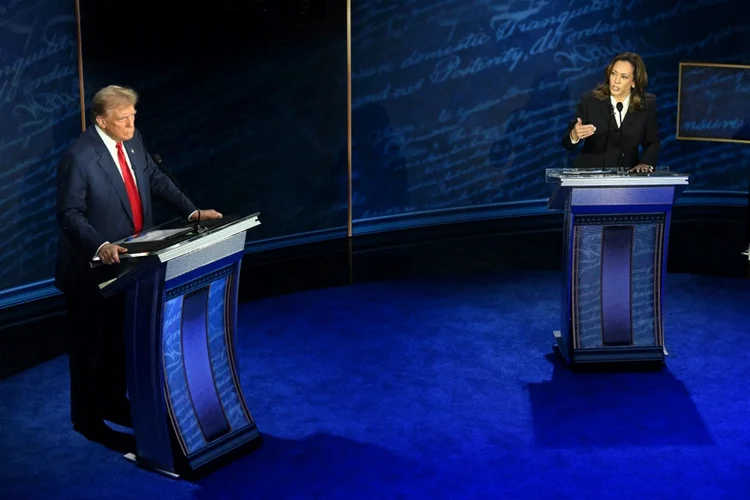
[178, 237]
[614, 187]
[611, 177]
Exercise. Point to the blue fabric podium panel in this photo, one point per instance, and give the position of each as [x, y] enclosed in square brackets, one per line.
[617, 248]
[203, 392]
[224, 370]
[616, 280]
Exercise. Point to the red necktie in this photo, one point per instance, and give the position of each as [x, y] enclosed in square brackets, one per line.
[135, 199]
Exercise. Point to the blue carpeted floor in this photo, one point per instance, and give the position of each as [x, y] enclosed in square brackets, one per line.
[436, 388]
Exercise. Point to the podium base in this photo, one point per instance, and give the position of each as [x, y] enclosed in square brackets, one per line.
[133, 458]
[612, 356]
[560, 347]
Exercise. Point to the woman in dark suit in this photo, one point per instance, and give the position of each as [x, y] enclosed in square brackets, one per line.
[615, 118]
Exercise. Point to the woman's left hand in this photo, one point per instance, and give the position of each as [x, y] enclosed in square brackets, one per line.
[642, 168]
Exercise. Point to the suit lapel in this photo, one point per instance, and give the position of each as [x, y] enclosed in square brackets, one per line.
[630, 117]
[112, 171]
[607, 114]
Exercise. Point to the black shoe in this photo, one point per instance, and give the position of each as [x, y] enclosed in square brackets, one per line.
[119, 413]
[93, 430]
[98, 432]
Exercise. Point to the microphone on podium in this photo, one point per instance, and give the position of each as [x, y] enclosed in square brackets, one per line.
[159, 163]
[620, 154]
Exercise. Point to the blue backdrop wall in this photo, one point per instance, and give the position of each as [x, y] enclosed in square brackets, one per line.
[459, 106]
[39, 106]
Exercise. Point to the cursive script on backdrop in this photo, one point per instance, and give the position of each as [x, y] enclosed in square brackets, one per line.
[715, 102]
[464, 103]
[39, 103]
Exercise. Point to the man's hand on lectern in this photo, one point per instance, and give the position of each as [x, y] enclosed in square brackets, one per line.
[109, 253]
[205, 215]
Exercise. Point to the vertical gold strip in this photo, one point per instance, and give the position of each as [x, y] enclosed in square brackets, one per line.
[349, 108]
[679, 99]
[349, 133]
[80, 66]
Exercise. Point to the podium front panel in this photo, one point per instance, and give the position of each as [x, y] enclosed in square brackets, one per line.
[204, 395]
[616, 281]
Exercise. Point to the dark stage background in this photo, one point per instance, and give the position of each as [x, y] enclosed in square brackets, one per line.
[458, 105]
[244, 101]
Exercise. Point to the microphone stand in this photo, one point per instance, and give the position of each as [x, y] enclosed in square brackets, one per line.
[160, 165]
[606, 137]
[620, 168]
[158, 161]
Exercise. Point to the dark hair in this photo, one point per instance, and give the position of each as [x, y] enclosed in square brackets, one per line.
[640, 79]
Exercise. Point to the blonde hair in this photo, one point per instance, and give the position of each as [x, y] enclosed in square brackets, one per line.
[111, 97]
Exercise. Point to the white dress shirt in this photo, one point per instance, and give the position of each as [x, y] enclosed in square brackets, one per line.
[625, 104]
[111, 145]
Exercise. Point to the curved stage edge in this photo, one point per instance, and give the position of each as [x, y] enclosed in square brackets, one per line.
[709, 233]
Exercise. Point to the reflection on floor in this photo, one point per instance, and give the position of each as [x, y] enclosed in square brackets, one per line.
[436, 387]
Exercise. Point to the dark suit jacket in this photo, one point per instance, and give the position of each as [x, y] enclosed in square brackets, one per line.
[93, 206]
[601, 150]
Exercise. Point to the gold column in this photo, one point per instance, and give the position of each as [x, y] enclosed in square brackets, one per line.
[80, 66]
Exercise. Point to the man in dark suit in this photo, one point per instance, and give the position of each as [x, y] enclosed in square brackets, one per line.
[615, 118]
[105, 183]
